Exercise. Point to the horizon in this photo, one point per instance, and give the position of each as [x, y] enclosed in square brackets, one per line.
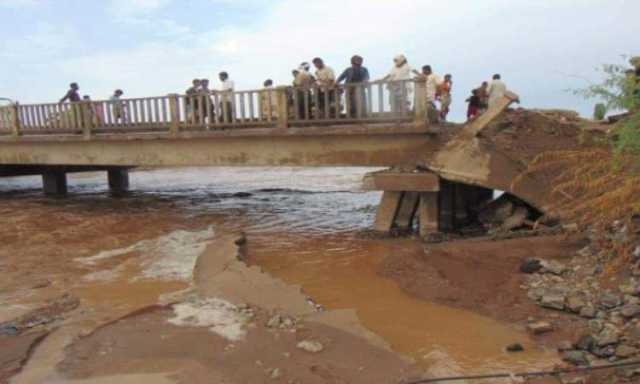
[156, 47]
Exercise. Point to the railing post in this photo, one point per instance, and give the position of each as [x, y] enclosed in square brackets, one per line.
[86, 119]
[282, 108]
[15, 120]
[174, 113]
[421, 104]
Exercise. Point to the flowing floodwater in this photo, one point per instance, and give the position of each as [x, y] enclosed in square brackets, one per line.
[303, 226]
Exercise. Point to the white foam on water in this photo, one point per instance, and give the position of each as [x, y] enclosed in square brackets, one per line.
[222, 317]
[173, 257]
[169, 257]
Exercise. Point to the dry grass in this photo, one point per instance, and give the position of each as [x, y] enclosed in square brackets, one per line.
[589, 185]
[594, 189]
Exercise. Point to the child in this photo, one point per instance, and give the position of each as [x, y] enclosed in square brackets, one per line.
[474, 105]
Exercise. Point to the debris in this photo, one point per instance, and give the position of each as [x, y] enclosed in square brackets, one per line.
[575, 357]
[530, 266]
[630, 310]
[553, 266]
[540, 327]
[310, 346]
[624, 351]
[515, 347]
[553, 301]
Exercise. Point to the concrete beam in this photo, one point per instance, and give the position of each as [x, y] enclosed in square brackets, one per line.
[401, 181]
[118, 180]
[352, 147]
[54, 183]
[387, 211]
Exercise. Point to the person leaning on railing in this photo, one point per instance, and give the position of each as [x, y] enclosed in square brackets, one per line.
[303, 82]
[400, 89]
[326, 81]
[117, 106]
[268, 101]
[355, 74]
[73, 97]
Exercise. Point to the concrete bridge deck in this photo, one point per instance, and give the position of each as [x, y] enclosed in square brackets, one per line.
[381, 124]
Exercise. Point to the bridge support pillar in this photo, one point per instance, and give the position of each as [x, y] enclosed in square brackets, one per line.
[446, 206]
[428, 213]
[118, 180]
[54, 183]
[387, 211]
[407, 211]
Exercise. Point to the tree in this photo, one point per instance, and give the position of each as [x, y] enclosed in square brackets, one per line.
[620, 90]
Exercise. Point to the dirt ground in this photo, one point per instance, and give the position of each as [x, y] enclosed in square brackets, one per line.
[482, 275]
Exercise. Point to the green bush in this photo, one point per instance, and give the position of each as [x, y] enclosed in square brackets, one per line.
[599, 111]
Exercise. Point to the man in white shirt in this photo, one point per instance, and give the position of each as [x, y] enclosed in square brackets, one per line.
[496, 89]
[326, 81]
[226, 101]
[433, 81]
[400, 91]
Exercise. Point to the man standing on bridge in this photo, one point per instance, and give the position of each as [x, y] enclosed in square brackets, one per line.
[226, 103]
[326, 81]
[355, 74]
[496, 90]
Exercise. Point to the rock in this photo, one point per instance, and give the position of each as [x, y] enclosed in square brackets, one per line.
[607, 337]
[275, 374]
[8, 329]
[553, 266]
[552, 301]
[540, 327]
[530, 266]
[576, 303]
[274, 321]
[630, 310]
[624, 351]
[604, 352]
[516, 220]
[609, 300]
[310, 346]
[287, 323]
[596, 326]
[585, 343]
[536, 294]
[636, 252]
[575, 357]
[515, 347]
[565, 346]
[588, 312]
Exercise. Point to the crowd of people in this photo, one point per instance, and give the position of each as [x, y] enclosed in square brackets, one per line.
[323, 92]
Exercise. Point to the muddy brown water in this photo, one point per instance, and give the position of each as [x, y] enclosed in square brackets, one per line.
[302, 226]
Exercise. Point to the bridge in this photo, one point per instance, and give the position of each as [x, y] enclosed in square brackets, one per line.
[381, 124]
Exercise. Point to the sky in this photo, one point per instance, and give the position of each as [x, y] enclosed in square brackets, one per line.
[542, 48]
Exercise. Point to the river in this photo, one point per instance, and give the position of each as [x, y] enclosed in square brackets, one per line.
[305, 226]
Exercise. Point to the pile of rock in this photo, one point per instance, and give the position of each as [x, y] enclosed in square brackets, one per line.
[283, 322]
[508, 213]
[575, 287]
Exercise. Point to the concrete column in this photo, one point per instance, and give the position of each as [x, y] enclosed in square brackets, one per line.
[387, 211]
[407, 210]
[54, 183]
[118, 180]
[446, 206]
[428, 213]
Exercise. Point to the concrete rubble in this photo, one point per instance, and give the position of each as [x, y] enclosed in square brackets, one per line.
[575, 286]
